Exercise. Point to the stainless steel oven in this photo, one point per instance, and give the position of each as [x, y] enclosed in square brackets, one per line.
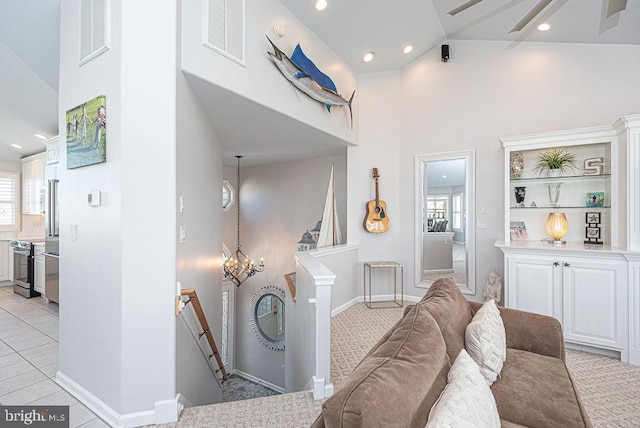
[23, 278]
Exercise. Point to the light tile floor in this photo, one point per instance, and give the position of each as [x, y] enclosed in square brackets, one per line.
[29, 357]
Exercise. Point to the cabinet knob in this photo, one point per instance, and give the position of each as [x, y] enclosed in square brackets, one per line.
[566, 264]
[556, 263]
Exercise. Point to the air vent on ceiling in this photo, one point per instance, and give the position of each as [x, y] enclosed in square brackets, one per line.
[94, 28]
[224, 28]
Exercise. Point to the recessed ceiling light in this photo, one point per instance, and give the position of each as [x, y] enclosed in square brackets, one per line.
[320, 5]
[16, 146]
[407, 49]
[42, 137]
[368, 57]
[544, 27]
[444, 176]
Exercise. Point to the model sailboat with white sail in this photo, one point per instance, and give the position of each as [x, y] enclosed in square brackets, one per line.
[330, 230]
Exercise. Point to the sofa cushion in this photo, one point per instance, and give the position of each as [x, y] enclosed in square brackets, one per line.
[536, 390]
[398, 382]
[451, 311]
[485, 341]
[466, 400]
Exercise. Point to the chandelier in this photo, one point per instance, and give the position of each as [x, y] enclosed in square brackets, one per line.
[242, 267]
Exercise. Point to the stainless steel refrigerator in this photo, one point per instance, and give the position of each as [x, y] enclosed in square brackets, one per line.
[51, 234]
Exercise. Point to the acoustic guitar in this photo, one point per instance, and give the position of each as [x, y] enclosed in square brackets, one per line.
[376, 220]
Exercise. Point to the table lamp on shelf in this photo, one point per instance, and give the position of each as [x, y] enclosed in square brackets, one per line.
[557, 227]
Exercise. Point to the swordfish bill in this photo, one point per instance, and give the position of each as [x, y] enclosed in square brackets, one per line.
[306, 84]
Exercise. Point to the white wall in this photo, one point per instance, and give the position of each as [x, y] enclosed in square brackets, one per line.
[487, 90]
[380, 147]
[117, 279]
[279, 203]
[251, 81]
[199, 183]
[90, 267]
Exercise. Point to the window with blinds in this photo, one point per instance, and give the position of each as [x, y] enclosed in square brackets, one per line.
[8, 201]
[93, 29]
[224, 28]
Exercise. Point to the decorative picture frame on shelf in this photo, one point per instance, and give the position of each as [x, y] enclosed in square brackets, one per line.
[594, 166]
[595, 200]
[592, 235]
[516, 164]
[592, 218]
[593, 232]
[518, 231]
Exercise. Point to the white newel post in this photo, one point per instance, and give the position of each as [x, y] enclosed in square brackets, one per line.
[323, 387]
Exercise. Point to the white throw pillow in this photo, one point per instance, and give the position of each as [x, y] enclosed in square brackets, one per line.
[466, 401]
[490, 308]
[485, 341]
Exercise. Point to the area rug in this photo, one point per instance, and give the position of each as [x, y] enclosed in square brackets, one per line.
[238, 388]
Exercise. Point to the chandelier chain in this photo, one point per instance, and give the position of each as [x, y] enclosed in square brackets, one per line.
[238, 190]
[242, 267]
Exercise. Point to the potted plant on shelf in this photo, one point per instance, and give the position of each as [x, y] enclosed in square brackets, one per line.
[555, 161]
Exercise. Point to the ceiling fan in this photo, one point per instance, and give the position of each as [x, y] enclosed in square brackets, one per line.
[613, 7]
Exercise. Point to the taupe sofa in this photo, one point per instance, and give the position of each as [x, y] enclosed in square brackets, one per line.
[401, 378]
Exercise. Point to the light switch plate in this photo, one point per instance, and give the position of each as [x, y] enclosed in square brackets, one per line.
[94, 199]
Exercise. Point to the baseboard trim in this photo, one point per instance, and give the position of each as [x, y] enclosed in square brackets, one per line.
[594, 350]
[374, 298]
[344, 307]
[165, 411]
[259, 381]
[97, 406]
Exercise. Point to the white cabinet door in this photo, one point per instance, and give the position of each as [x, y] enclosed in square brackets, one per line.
[634, 311]
[534, 285]
[595, 302]
[5, 271]
[33, 184]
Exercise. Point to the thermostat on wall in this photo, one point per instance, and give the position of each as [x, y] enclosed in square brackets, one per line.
[94, 198]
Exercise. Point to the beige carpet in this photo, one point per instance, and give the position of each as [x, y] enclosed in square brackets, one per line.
[609, 389]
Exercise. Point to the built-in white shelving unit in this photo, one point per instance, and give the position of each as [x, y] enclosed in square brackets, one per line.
[593, 290]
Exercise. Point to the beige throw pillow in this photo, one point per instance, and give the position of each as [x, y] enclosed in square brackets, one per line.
[466, 401]
[485, 341]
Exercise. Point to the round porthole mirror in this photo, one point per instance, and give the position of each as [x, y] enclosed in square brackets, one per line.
[267, 317]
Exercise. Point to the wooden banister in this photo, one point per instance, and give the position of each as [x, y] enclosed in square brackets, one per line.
[290, 278]
[193, 299]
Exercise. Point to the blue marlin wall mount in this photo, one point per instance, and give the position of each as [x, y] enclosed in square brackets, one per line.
[306, 77]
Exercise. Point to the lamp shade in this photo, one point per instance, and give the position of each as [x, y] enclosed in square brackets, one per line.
[557, 226]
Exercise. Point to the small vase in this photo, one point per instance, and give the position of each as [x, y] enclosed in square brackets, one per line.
[554, 173]
[554, 193]
[520, 193]
[517, 165]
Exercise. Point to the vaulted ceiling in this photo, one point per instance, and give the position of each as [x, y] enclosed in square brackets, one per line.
[354, 27]
[29, 43]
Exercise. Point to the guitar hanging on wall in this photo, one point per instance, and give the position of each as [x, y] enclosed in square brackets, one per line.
[376, 220]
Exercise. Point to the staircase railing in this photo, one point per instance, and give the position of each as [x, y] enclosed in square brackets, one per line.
[291, 282]
[202, 319]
